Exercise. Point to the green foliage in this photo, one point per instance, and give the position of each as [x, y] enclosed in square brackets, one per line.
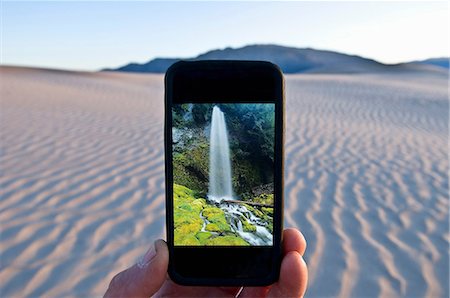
[254, 126]
[191, 166]
[252, 131]
[264, 199]
[180, 115]
[246, 176]
[201, 113]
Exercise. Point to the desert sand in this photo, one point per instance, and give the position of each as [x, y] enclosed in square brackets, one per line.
[366, 180]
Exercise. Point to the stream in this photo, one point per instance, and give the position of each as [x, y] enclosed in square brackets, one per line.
[233, 214]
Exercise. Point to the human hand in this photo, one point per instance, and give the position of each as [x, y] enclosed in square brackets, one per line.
[149, 276]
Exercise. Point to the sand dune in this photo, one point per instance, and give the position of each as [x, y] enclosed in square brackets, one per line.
[82, 180]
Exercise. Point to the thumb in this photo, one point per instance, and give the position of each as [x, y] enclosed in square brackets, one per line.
[144, 278]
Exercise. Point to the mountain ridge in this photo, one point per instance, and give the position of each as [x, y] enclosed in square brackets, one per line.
[293, 60]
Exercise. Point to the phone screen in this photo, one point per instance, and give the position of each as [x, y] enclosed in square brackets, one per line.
[224, 172]
[223, 158]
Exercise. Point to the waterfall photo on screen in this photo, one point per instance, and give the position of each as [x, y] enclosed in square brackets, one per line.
[223, 166]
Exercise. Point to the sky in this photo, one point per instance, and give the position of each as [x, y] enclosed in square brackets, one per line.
[95, 35]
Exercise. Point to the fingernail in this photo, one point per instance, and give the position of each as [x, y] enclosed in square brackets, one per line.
[149, 255]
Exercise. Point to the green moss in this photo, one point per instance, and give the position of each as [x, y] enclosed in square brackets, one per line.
[216, 216]
[255, 211]
[226, 240]
[212, 227]
[267, 210]
[246, 174]
[187, 227]
[200, 203]
[266, 214]
[186, 207]
[181, 191]
[270, 226]
[186, 213]
[191, 162]
[203, 236]
[264, 199]
[250, 208]
[246, 226]
[189, 240]
[211, 211]
[188, 223]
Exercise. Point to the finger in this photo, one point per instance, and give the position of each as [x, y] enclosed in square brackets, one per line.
[293, 240]
[145, 278]
[293, 277]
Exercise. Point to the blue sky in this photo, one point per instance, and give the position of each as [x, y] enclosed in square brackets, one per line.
[93, 35]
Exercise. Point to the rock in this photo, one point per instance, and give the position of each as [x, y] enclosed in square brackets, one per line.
[262, 189]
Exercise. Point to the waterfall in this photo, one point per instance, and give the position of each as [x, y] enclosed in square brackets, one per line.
[219, 159]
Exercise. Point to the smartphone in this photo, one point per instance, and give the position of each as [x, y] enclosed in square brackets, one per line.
[224, 172]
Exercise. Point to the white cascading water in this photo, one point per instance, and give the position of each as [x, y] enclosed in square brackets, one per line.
[219, 159]
[220, 187]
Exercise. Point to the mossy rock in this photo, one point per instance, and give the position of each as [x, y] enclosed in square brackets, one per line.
[270, 226]
[265, 215]
[191, 162]
[212, 227]
[246, 226]
[203, 236]
[216, 216]
[227, 240]
[188, 240]
[187, 217]
[185, 206]
[185, 228]
[181, 191]
[201, 203]
[211, 211]
[267, 210]
[249, 208]
[223, 226]
[264, 199]
[186, 212]
[255, 211]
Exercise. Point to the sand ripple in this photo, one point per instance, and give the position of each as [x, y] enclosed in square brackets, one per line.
[82, 180]
[367, 183]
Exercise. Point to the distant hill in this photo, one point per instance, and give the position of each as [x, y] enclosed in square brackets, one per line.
[441, 62]
[289, 59]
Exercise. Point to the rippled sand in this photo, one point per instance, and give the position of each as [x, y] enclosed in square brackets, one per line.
[82, 180]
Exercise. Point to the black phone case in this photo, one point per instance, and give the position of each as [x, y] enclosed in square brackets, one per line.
[234, 82]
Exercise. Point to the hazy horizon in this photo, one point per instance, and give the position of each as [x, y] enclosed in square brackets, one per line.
[97, 35]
